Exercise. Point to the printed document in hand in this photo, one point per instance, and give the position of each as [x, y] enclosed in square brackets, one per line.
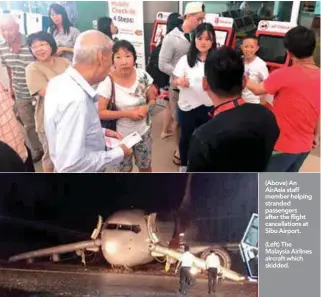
[129, 141]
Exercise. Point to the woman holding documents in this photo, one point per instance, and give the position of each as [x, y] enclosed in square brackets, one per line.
[134, 97]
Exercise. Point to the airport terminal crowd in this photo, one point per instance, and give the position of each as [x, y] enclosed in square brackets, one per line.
[85, 106]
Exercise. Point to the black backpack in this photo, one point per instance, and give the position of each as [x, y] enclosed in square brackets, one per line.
[161, 79]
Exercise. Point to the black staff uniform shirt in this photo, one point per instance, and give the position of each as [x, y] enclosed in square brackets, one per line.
[239, 138]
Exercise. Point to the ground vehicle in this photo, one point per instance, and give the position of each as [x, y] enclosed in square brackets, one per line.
[249, 247]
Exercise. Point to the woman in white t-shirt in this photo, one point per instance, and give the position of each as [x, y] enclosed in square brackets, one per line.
[194, 103]
[135, 97]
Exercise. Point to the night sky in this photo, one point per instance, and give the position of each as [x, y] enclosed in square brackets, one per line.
[221, 203]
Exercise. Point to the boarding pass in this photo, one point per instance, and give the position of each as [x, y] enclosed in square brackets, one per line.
[129, 141]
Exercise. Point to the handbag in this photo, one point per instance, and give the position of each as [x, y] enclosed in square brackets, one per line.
[110, 124]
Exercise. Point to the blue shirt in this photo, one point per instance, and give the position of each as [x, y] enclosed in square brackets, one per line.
[75, 138]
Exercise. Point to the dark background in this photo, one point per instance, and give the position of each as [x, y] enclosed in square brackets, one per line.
[40, 210]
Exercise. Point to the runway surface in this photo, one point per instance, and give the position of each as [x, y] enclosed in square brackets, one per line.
[15, 282]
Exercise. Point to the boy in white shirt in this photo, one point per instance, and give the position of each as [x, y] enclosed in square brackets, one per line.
[255, 69]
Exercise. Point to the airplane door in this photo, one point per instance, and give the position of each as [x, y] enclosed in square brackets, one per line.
[151, 227]
[249, 247]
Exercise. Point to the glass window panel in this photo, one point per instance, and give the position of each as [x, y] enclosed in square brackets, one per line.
[309, 17]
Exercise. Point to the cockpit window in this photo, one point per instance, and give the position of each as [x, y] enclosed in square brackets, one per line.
[133, 228]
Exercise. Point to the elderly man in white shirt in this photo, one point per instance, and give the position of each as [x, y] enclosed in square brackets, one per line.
[213, 267]
[75, 138]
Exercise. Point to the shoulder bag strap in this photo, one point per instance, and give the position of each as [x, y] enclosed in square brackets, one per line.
[112, 97]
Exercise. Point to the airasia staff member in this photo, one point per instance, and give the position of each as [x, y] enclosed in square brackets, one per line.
[296, 104]
[241, 136]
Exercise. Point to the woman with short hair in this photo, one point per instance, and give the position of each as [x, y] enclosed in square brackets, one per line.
[38, 74]
[134, 99]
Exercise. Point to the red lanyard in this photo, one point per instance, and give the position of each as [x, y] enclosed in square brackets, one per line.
[227, 106]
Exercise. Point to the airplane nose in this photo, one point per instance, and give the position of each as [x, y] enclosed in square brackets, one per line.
[111, 247]
[125, 248]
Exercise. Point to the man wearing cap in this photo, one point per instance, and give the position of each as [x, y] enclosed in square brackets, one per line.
[175, 45]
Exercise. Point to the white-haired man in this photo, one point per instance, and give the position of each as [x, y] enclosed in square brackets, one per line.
[75, 138]
[15, 55]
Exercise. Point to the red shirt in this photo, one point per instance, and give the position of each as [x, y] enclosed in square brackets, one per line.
[296, 106]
